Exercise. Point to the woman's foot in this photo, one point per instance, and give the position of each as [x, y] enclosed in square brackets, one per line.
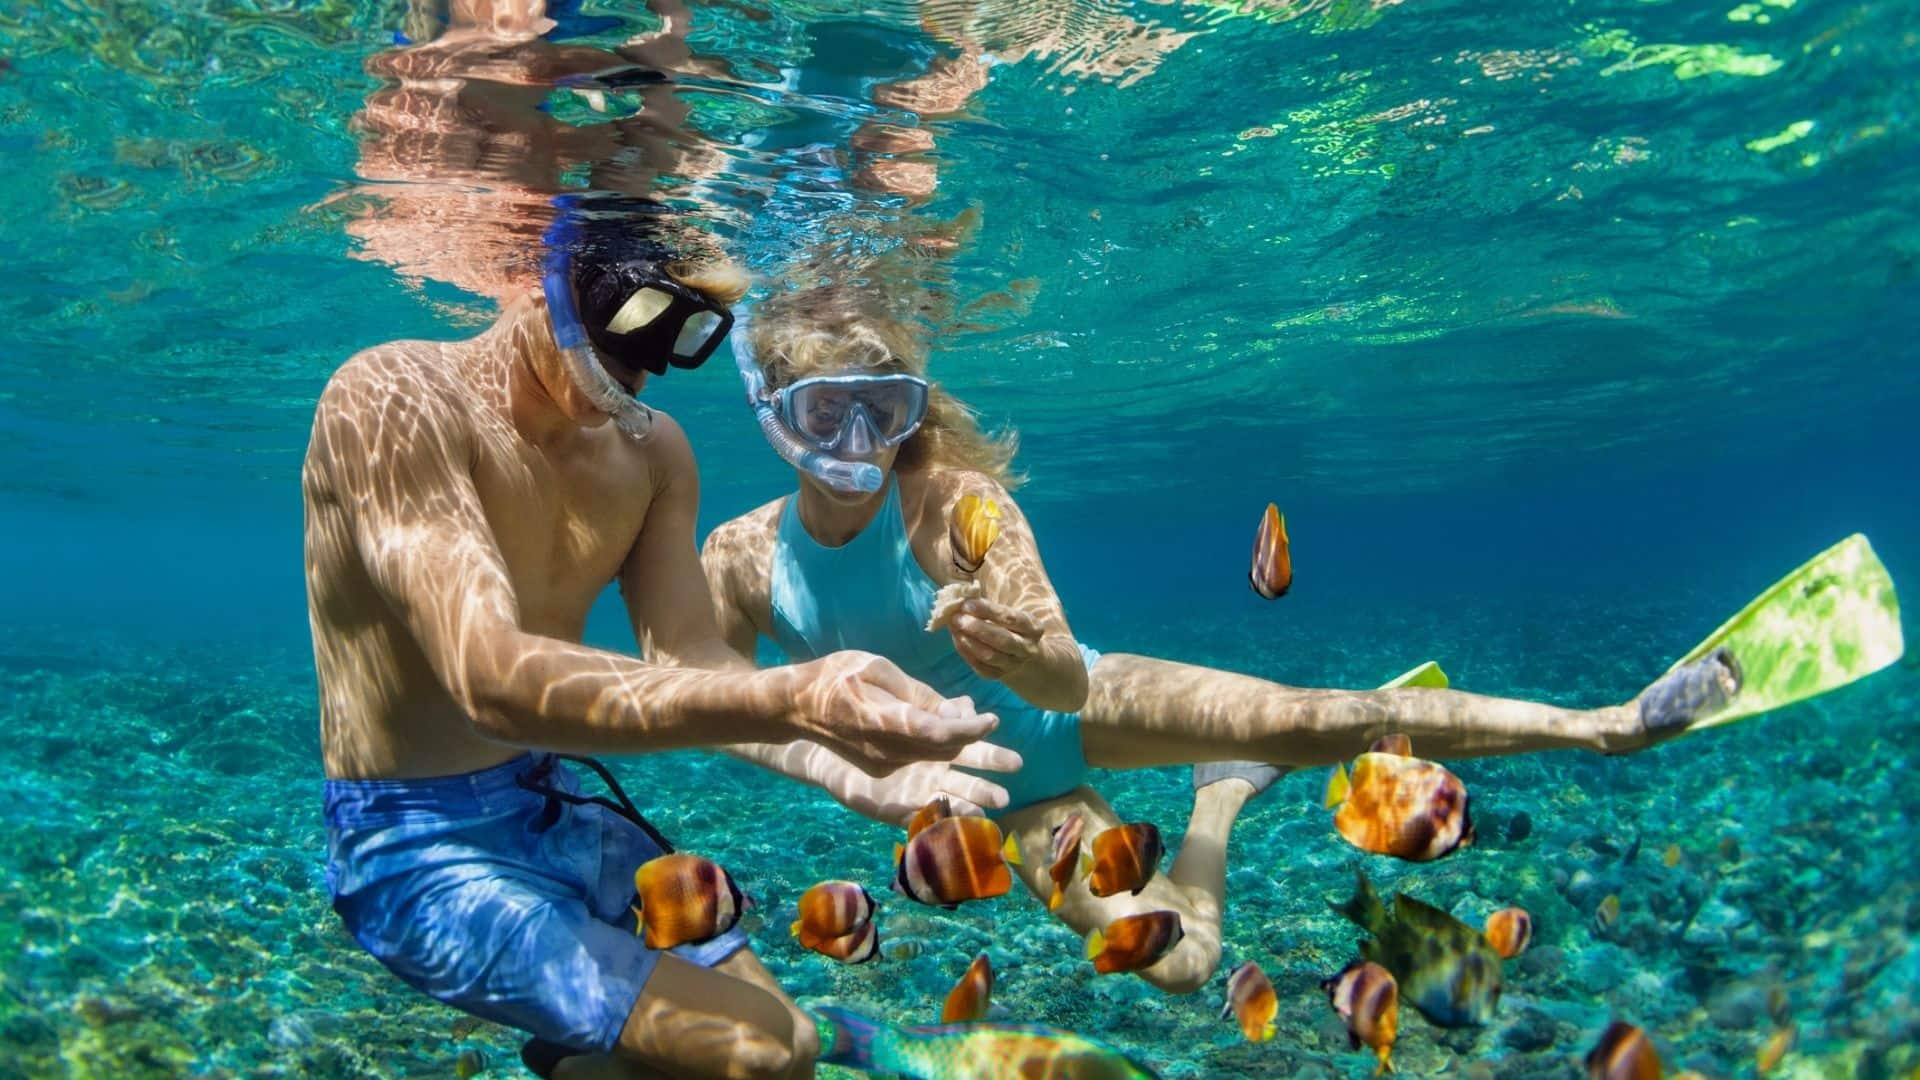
[1261, 776]
[1689, 693]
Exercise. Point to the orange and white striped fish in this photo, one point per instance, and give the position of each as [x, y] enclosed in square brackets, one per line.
[1395, 743]
[1065, 857]
[968, 1000]
[1624, 1053]
[1251, 1000]
[1125, 858]
[971, 531]
[836, 920]
[955, 859]
[684, 898]
[1272, 573]
[1400, 806]
[1509, 931]
[928, 814]
[1368, 999]
[1134, 942]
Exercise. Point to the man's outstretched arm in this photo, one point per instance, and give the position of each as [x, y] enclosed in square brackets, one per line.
[398, 454]
[675, 620]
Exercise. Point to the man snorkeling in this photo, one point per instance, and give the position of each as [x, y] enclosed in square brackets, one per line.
[465, 503]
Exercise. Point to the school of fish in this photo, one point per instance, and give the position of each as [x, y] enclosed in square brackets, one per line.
[1390, 803]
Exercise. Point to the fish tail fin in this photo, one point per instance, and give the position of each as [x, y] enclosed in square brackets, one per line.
[1059, 896]
[898, 850]
[846, 1039]
[1096, 944]
[1010, 850]
[1268, 1031]
[1086, 864]
[1365, 909]
[1337, 786]
[794, 930]
[639, 920]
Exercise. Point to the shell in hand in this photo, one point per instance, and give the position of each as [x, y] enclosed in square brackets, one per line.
[946, 602]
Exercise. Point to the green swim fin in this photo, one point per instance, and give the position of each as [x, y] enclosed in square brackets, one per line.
[1427, 675]
[1834, 620]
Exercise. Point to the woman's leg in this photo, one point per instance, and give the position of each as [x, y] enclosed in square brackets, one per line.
[1143, 712]
[1195, 888]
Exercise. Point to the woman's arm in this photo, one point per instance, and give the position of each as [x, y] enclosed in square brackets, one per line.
[1016, 632]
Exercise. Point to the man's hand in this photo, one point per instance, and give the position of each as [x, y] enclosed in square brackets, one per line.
[995, 640]
[868, 712]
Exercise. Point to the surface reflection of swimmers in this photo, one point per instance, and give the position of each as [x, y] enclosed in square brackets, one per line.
[824, 569]
[465, 503]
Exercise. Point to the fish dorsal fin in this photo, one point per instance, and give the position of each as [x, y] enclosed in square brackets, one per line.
[1337, 787]
[1423, 916]
[1096, 944]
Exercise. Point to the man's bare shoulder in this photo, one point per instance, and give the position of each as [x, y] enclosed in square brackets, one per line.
[393, 400]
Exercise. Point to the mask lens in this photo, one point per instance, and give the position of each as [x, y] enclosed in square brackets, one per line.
[640, 310]
[820, 412]
[696, 332]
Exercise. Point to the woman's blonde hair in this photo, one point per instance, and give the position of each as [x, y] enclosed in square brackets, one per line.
[831, 329]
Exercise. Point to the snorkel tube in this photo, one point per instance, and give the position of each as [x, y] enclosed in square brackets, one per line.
[852, 477]
[589, 377]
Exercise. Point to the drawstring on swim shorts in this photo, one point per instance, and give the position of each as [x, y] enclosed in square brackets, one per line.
[536, 781]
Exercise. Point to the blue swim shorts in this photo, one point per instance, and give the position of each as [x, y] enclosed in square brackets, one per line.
[500, 901]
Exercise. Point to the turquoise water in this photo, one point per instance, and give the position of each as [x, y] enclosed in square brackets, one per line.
[1558, 332]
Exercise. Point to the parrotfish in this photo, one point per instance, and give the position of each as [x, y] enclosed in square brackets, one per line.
[1624, 1053]
[1401, 806]
[1272, 573]
[1064, 857]
[1444, 967]
[1124, 859]
[1368, 999]
[1251, 1000]
[955, 859]
[684, 898]
[836, 920]
[1134, 942]
[971, 531]
[969, 1051]
[968, 999]
[1510, 931]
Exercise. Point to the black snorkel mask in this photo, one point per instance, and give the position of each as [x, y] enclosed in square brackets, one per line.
[610, 299]
[642, 320]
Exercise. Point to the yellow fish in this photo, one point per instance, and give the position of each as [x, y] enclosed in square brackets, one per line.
[1134, 942]
[1272, 573]
[683, 899]
[1400, 806]
[1624, 1053]
[1510, 931]
[1368, 999]
[968, 999]
[971, 531]
[953, 860]
[1251, 1000]
[836, 920]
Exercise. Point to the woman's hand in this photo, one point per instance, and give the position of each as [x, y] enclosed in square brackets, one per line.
[995, 640]
[896, 797]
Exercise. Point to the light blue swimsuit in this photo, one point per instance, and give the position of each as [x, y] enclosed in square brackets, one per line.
[870, 594]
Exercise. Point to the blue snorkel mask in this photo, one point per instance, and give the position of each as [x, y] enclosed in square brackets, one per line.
[815, 419]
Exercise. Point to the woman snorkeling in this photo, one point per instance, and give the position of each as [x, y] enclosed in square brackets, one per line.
[853, 558]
